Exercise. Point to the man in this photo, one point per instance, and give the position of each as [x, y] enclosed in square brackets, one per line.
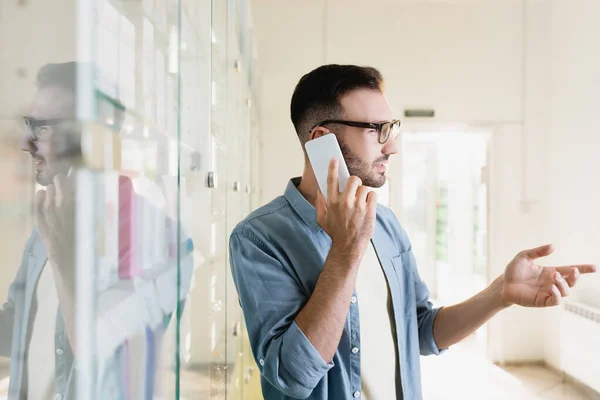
[303, 266]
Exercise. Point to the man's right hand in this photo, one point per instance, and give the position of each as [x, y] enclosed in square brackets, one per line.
[349, 220]
[349, 217]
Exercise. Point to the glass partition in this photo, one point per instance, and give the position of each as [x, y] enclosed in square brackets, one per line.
[128, 142]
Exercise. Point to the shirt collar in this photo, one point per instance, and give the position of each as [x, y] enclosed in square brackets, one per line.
[302, 207]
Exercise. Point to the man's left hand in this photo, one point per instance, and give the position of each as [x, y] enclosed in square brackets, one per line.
[527, 284]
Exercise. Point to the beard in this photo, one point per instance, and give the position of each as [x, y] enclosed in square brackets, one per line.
[44, 176]
[362, 169]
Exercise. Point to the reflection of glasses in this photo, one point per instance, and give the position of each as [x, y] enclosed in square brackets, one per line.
[38, 128]
[385, 129]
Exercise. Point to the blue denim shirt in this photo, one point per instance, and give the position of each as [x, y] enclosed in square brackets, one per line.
[15, 331]
[277, 254]
[15, 324]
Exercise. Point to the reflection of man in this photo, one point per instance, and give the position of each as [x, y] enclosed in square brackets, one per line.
[38, 339]
[302, 266]
[37, 322]
[41, 366]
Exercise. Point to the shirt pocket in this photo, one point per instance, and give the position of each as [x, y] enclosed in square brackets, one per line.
[404, 275]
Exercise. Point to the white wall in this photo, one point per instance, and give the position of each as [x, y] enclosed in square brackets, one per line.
[467, 59]
[289, 40]
[492, 64]
[573, 151]
[514, 334]
[574, 139]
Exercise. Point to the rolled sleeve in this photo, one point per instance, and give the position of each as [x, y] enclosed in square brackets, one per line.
[7, 316]
[301, 358]
[427, 344]
[271, 298]
[7, 313]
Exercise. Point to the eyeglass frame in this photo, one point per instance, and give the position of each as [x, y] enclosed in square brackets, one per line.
[364, 125]
[34, 123]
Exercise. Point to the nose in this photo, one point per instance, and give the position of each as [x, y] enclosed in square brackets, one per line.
[391, 146]
[26, 143]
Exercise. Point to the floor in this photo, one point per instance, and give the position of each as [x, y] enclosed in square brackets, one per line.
[462, 373]
[542, 383]
[466, 375]
[458, 374]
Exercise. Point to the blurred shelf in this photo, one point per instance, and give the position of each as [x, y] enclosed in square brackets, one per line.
[134, 10]
[149, 131]
[130, 306]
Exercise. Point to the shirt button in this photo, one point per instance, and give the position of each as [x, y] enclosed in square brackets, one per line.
[356, 395]
[355, 350]
[58, 396]
[261, 362]
[60, 352]
[353, 299]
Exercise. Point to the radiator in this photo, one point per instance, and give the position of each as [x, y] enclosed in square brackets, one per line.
[580, 343]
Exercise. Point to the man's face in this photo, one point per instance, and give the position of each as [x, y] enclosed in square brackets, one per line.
[364, 155]
[54, 104]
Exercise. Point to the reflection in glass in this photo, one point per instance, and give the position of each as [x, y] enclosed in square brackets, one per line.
[117, 283]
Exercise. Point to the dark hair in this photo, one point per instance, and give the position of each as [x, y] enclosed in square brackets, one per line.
[317, 95]
[62, 75]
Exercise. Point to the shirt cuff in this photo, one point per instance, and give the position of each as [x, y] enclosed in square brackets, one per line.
[428, 344]
[301, 359]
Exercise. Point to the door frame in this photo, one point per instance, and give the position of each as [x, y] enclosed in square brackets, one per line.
[395, 173]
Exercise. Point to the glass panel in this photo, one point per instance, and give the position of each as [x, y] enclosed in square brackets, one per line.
[235, 198]
[195, 195]
[217, 278]
[124, 286]
[107, 255]
[130, 317]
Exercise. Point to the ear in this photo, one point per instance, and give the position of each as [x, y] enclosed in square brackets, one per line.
[318, 132]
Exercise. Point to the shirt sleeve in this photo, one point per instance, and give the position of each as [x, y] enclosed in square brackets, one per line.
[271, 298]
[7, 314]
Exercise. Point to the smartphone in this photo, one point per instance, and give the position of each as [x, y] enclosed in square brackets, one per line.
[320, 153]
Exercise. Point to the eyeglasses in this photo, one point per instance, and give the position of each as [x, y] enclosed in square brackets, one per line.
[38, 128]
[385, 129]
